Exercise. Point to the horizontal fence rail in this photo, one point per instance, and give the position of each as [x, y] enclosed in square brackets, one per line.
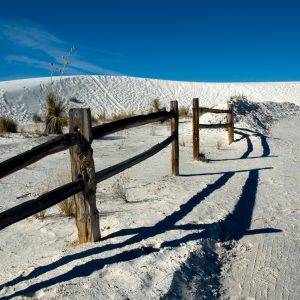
[33, 155]
[41, 203]
[203, 110]
[83, 171]
[196, 126]
[131, 122]
[212, 126]
[113, 170]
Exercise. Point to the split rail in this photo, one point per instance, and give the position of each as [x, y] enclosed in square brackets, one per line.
[229, 126]
[84, 177]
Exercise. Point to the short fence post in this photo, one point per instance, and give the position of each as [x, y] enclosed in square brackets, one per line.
[175, 143]
[82, 164]
[230, 122]
[196, 129]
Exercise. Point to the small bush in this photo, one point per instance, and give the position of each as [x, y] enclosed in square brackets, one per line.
[7, 125]
[40, 215]
[182, 143]
[67, 207]
[120, 116]
[94, 119]
[202, 157]
[56, 116]
[36, 118]
[120, 188]
[183, 112]
[155, 105]
[219, 145]
[102, 117]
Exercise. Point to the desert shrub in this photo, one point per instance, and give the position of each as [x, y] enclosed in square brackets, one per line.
[36, 118]
[94, 119]
[239, 97]
[8, 125]
[120, 116]
[40, 215]
[56, 116]
[155, 105]
[102, 116]
[67, 207]
[202, 157]
[219, 145]
[183, 111]
[120, 187]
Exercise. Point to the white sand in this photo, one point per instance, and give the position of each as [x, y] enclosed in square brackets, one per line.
[226, 229]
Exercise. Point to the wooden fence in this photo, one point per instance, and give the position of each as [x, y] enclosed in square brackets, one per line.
[84, 177]
[196, 126]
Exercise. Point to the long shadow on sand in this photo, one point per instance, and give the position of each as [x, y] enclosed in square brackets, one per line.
[264, 144]
[235, 226]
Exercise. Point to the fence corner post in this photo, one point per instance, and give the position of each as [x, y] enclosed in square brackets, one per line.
[196, 150]
[230, 124]
[175, 143]
[82, 166]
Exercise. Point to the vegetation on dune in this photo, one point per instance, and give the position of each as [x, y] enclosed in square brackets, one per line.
[56, 117]
[7, 125]
[183, 111]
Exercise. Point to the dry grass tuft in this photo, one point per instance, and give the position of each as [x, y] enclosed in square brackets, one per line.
[202, 157]
[120, 188]
[40, 215]
[183, 112]
[36, 118]
[155, 106]
[67, 207]
[8, 125]
[120, 116]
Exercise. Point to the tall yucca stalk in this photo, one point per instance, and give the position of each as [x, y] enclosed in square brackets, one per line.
[56, 116]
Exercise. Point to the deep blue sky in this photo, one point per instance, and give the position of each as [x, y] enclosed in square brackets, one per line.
[179, 40]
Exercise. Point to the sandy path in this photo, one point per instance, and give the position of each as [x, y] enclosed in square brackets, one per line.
[265, 264]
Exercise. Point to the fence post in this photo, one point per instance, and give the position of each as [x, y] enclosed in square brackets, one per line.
[175, 143]
[82, 165]
[196, 129]
[230, 122]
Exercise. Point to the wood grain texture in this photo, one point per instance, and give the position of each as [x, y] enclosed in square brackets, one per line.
[82, 165]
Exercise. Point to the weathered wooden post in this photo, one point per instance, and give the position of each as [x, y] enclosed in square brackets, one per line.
[230, 122]
[175, 143]
[196, 129]
[82, 164]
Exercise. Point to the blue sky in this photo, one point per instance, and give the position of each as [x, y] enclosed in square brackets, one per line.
[191, 40]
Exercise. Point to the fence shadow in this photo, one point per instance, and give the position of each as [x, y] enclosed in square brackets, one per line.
[233, 227]
[241, 218]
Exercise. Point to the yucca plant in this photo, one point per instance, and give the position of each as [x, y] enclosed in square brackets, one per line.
[56, 116]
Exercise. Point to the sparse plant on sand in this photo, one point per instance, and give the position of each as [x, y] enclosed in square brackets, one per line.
[120, 187]
[36, 118]
[219, 145]
[40, 215]
[202, 157]
[155, 106]
[67, 207]
[94, 120]
[182, 142]
[183, 111]
[120, 116]
[56, 116]
[8, 125]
